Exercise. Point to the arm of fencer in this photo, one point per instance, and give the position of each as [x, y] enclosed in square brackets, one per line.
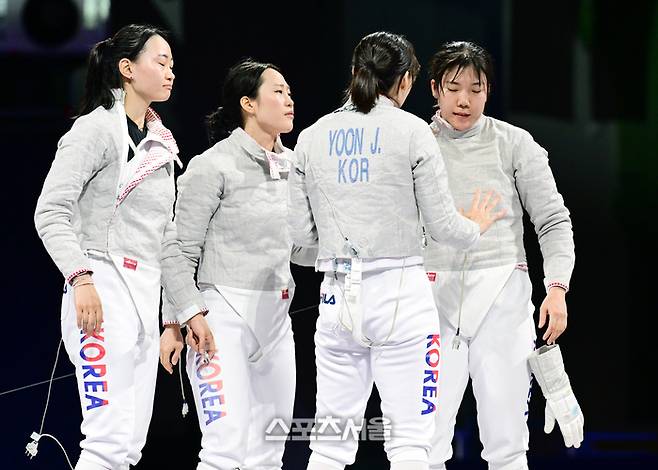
[547, 365]
[301, 223]
[303, 256]
[443, 223]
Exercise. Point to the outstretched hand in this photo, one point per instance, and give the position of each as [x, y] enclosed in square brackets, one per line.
[482, 210]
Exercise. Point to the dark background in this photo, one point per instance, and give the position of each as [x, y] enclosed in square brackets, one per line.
[581, 76]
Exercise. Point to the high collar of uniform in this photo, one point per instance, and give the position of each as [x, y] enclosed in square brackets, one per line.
[154, 125]
[119, 94]
[382, 101]
[443, 127]
[253, 148]
[156, 130]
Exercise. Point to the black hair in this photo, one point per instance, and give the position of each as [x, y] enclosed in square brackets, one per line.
[379, 61]
[103, 71]
[243, 79]
[461, 54]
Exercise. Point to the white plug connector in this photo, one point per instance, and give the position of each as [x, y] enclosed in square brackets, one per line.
[31, 448]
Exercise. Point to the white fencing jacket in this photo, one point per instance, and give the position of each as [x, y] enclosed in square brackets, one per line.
[360, 181]
[496, 155]
[93, 199]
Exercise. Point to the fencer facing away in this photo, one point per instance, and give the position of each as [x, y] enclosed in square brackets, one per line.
[483, 294]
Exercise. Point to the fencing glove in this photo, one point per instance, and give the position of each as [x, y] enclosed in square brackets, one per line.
[548, 368]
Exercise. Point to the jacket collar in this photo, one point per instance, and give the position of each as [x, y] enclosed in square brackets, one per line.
[443, 127]
[252, 148]
[385, 101]
[156, 130]
[382, 101]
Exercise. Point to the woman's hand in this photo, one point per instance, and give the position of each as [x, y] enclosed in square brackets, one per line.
[88, 308]
[199, 336]
[171, 341]
[555, 307]
[481, 211]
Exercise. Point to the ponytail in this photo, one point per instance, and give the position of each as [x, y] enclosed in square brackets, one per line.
[363, 89]
[99, 78]
[220, 124]
[379, 61]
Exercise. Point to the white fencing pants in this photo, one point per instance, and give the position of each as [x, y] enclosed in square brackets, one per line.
[116, 372]
[248, 384]
[495, 358]
[404, 367]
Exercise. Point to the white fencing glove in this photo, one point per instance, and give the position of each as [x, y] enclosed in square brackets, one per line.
[548, 368]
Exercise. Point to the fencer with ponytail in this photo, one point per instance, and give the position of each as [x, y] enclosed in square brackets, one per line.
[109, 194]
[379, 62]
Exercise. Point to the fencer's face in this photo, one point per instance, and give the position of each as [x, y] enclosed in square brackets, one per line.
[151, 76]
[273, 108]
[461, 97]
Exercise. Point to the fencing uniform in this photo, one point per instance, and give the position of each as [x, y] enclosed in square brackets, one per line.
[231, 218]
[484, 294]
[100, 213]
[358, 185]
